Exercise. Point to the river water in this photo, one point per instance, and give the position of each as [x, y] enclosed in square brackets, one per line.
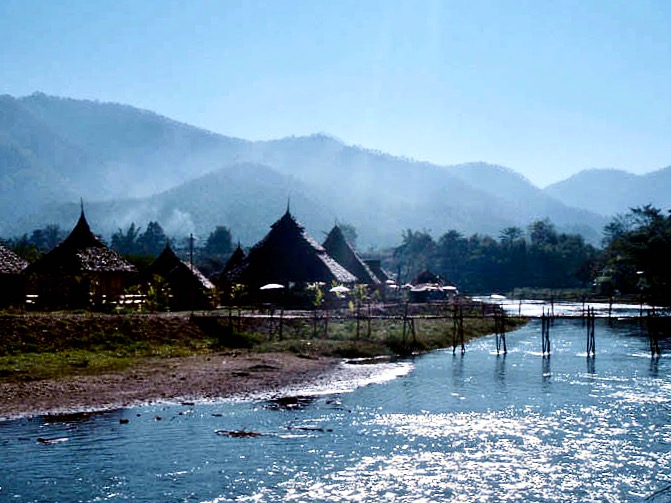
[439, 427]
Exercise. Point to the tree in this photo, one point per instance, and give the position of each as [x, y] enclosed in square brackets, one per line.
[47, 238]
[451, 257]
[636, 261]
[24, 248]
[415, 254]
[127, 242]
[219, 242]
[510, 235]
[153, 240]
[616, 228]
[542, 232]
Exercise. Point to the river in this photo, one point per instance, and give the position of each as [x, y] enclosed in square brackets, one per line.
[438, 427]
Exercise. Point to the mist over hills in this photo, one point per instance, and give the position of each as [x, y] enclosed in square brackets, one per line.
[133, 165]
[611, 191]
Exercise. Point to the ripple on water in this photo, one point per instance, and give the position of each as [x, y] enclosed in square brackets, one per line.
[496, 456]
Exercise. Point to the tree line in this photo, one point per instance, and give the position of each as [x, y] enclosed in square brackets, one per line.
[633, 258]
[637, 254]
[541, 257]
[140, 246]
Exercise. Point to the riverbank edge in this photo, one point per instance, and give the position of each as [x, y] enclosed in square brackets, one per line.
[198, 378]
[205, 376]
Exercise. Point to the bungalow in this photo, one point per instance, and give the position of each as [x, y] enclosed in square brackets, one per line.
[288, 256]
[337, 247]
[12, 279]
[79, 272]
[189, 288]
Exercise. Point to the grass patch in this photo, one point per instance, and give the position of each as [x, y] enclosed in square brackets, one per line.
[37, 366]
[43, 347]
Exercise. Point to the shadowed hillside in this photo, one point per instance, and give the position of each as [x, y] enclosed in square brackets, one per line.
[132, 165]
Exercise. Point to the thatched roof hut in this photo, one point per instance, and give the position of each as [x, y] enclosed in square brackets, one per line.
[81, 252]
[428, 286]
[12, 279]
[189, 288]
[375, 265]
[234, 261]
[426, 277]
[79, 271]
[288, 255]
[337, 247]
[10, 262]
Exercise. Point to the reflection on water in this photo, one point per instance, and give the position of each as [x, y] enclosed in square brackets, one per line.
[500, 369]
[546, 372]
[471, 427]
[591, 364]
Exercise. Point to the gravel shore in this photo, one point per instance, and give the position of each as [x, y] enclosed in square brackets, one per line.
[201, 377]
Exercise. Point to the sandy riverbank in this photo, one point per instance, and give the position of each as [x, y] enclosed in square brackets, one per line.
[212, 376]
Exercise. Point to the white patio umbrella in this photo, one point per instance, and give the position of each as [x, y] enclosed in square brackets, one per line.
[271, 286]
[339, 289]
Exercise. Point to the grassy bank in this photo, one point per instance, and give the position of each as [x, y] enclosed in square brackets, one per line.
[43, 346]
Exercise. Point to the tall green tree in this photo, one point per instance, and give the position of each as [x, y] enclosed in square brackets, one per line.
[219, 242]
[153, 240]
[415, 254]
[127, 242]
[637, 257]
[47, 238]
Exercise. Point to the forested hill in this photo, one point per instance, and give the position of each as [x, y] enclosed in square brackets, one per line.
[611, 192]
[132, 165]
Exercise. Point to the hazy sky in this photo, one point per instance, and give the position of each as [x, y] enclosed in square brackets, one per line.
[547, 88]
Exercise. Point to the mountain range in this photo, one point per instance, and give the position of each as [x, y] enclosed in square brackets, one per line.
[132, 165]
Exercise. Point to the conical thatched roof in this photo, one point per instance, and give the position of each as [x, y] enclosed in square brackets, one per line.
[10, 262]
[235, 260]
[287, 254]
[169, 265]
[337, 247]
[81, 252]
[375, 265]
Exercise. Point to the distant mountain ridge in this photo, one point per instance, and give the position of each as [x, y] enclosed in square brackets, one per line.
[610, 191]
[133, 165]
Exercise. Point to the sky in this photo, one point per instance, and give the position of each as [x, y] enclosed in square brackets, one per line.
[547, 88]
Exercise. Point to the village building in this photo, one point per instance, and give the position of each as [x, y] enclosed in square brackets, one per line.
[188, 288]
[12, 279]
[427, 287]
[290, 258]
[337, 247]
[79, 272]
[233, 262]
[375, 265]
[221, 280]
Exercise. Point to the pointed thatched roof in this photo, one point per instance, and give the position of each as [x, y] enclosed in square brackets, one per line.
[10, 262]
[288, 254]
[81, 252]
[169, 265]
[235, 260]
[337, 247]
[375, 265]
